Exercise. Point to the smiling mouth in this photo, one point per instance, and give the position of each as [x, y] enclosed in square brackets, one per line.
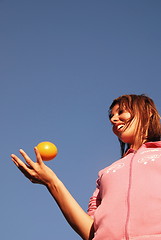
[120, 127]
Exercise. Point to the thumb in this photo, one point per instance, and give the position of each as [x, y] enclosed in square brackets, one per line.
[38, 156]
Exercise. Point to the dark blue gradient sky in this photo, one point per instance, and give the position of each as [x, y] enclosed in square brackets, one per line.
[61, 65]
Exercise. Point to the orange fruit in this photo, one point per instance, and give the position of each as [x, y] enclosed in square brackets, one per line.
[47, 150]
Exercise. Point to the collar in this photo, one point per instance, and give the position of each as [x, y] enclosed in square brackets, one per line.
[145, 145]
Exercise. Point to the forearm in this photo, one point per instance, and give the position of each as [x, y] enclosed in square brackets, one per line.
[39, 173]
[74, 214]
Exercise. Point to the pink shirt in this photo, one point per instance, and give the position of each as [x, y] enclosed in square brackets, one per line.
[126, 204]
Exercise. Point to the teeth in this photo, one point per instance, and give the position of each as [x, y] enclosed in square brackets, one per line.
[120, 126]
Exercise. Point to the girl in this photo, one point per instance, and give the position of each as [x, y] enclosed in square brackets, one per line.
[127, 201]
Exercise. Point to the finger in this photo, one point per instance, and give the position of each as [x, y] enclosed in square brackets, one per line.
[27, 158]
[21, 166]
[38, 156]
[18, 162]
[13, 160]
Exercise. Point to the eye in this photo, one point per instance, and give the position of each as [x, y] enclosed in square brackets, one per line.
[110, 115]
[121, 111]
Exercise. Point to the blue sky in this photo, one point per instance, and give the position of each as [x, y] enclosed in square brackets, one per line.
[61, 65]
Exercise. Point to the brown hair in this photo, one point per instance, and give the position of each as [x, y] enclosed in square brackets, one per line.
[143, 108]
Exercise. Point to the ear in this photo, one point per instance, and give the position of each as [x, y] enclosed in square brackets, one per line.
[151, 113]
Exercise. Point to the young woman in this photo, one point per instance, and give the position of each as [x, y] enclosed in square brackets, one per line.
[127, 201]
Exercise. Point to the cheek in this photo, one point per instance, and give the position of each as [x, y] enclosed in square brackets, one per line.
[126, 116]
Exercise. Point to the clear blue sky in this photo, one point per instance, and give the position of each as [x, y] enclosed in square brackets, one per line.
[61, 65]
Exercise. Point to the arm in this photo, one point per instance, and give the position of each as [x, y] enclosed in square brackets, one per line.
[39, 173]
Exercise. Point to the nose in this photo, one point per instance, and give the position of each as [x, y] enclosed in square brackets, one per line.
[114, 119]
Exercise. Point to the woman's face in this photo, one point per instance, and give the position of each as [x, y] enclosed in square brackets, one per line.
[124, 130]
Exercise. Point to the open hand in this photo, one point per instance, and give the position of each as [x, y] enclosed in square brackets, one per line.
[36, 172]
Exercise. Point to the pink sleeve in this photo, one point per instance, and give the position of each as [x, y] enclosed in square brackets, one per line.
[95, 200]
